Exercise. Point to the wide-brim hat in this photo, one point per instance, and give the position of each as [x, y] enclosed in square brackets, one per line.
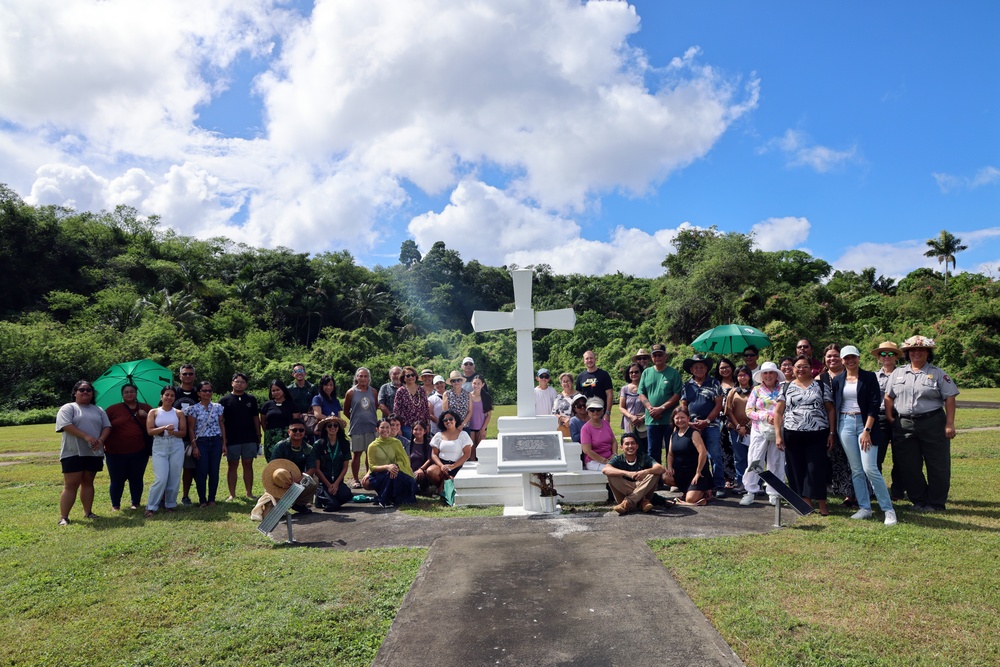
[426, 371]
[698, 359]
[456, 375]
[641, 354]
[322, 424]
[766, 367]
[887, 346]
[918, 342]
[278, 477]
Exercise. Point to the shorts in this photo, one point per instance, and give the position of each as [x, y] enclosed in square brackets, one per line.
[596, 466]
[243, 450]
[360, 441]
[453, 471]
[74, 464]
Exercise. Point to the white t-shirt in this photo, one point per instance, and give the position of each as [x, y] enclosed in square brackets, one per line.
[451, 450]
[435, 401]
[544, 398]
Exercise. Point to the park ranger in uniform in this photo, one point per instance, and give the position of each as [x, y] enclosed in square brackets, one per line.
[923, 431]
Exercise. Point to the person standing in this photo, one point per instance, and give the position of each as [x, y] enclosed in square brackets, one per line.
[360, 406]
[925, 398]
[702, 396]
[480, 411]
[805, 347]
[738, 424]
[545, 396]
[760, 409]
[804, 423]
[276, 414]
[410, 403]
[750, 356]
[241, 417]
[301, 391]
[643, 359]
[856, 399]
[427, 380]
[167, 425]
[208, 435]
[562, 406]
[660, 392]
[630, 406]
[84, 427]
[125, 449]
[187, 395]
[840, 467]
[435, 403]
[387, 392]
[594, 382]
[888, 354]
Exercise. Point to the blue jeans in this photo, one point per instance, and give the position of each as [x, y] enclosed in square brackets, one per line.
[741, 448]
[168, 461]
[208, 467]
[658, 439]
[864, 464]
[712, 436]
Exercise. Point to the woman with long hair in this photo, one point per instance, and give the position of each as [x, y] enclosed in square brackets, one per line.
[451, 447]
[125, 449]
[562, 407]
[84, 427]
[208, 437]
[725, 373]
[687, 461]
[276, 415]
[325, 403]
[410, 404]
[333, 458]
[420, 455]
[804, 431]
[480, 410]
[167, 425]
[840, 468]
[390, 474]
[738, 424]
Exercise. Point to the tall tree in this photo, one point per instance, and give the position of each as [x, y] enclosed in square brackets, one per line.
[945, 247]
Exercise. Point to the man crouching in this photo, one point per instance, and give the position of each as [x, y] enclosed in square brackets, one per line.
[633, 476]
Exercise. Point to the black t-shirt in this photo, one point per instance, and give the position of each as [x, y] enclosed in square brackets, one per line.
[685, 453]
[185, 399]
[278, 416]
[594, 385]
[237, 414]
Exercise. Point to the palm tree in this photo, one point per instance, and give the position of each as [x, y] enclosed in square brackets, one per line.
[368, 304]
[945, 247]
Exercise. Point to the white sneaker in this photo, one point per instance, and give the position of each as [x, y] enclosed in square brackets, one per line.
[890, 518]
[747, 500]
[774, 500]
[862, 514]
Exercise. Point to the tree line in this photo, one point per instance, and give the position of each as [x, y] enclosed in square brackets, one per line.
[85, 290]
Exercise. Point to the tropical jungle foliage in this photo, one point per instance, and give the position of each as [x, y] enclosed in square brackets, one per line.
[82, 291]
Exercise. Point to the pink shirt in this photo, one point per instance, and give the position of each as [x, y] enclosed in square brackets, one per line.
[600, 439]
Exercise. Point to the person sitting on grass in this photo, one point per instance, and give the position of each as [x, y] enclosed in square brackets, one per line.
[633, 476]
[296, 449]
[390, 475]
[687, 462]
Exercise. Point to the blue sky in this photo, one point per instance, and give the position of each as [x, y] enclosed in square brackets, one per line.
[582, 135]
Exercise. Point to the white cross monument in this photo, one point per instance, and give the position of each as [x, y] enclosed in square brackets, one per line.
[528, 443]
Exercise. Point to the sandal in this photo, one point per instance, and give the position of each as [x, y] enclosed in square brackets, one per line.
[89, 515]
[63, 522]
[356, 484]
[148, 513]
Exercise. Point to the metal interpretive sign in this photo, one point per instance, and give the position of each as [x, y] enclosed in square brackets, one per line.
[531, 452]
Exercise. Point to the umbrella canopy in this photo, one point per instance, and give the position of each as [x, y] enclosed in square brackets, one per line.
[730, 339]
[148, 377]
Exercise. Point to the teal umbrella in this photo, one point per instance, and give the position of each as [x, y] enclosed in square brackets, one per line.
[730, 339]
[148, 377]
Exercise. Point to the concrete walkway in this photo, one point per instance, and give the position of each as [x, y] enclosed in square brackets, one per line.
[576, 589]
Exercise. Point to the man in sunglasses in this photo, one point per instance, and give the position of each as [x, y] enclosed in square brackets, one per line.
[301, 391]
[805, 347]
[296, 449]
[750, 355]
[545, 396]
[187, 395]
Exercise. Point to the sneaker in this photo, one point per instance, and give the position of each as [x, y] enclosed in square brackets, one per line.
[747, 500]
[720, 493]
[645, 505]
[774, 500]
[862, 514]
[622, 507]
[185, 501]
[890, 518]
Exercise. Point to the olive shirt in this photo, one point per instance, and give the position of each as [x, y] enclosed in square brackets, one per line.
[659, 387]
[384, 451]
[642, 462]
[918, 392]
[304, 457]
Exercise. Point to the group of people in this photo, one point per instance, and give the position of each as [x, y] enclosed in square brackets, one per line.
[824, 425]
[425, 433]
[812, 422]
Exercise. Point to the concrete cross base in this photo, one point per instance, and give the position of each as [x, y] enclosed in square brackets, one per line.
[480, 484]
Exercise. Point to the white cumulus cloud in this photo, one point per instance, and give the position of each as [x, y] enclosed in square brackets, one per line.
[800, 151]
[780, 233]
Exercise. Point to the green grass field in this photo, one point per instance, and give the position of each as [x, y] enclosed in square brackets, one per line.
[204, 587]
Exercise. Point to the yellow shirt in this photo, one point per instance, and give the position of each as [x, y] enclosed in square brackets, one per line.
[384, 451]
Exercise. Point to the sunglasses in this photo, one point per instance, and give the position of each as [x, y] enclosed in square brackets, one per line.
[298, 371]
[448, 420]
[595, 409]
[802, 347]
[635, 372]
[544, 377]
[454, 381]
[749, 354]
[204, 391]
[184, 375]
[659, 354]
[85, 390]
[334, 425]
[409, 375]
[297, 430]
[887, 354]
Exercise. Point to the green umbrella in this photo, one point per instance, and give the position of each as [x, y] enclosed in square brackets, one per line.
[730, 339]
[148, 377]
